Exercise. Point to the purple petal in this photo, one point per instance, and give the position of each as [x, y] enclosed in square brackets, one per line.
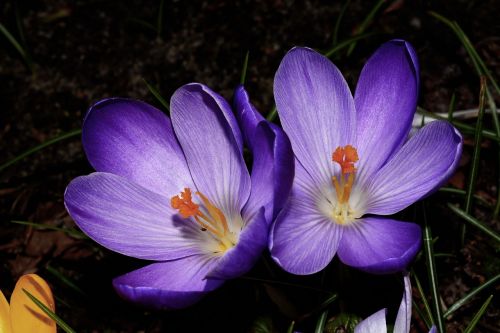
[247, 115]
[379, 246]
[273, 160]
[135, 140]
[373, 324]
[403, 319]
[241, 258]
[302, 240]
[316, 109]
[418, 168]
[212, 151]
[272, 171]
[168, 285]
[129, 219]
[386, 99]
[433, 329]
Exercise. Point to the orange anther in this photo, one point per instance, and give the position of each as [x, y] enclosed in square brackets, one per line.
[346, 157]
[184, 203]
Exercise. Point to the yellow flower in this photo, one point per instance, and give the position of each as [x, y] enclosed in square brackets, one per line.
[22, 315]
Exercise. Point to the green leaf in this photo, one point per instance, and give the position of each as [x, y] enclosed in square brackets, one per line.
[157, 94]
[65, 327]
[478, 316]
[432, 273]
[17, 46]
[69, 231]
[472, 294]
[40, 147]
[67, 281]
[320, 324]
[475, 222]
[244, 69]
[366, 22]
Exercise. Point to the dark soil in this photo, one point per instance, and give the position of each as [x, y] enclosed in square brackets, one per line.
[83, 51]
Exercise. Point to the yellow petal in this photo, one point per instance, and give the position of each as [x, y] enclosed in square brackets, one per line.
[25, 315]
[4, 315]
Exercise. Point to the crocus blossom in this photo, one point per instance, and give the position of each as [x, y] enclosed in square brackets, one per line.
[376, 322]
[22, 314]
[354, 161]
[177, 191]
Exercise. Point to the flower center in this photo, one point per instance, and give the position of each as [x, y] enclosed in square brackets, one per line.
[209, 217]
[346, 157]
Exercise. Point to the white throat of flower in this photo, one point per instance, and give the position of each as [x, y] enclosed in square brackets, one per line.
[339, 205]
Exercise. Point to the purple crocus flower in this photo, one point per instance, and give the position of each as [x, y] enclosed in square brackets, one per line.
[354, 160]
[376, 322]
[177, 191]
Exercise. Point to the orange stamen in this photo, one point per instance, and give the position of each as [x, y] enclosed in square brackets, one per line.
[215, 221]
[184, 203]
[346, 157]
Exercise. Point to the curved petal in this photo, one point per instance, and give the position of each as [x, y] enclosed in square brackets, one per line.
[386, 99]
[316, 109]
[373, 324]
[247, 115]
[273, 171]
[379, 246]
[135, 140]
[168, 285]
[129, 219]
[302, 240]
[417, 169]
[213, 154]
[5, 326]
[403, 319]
[25, 315]
[241, 258]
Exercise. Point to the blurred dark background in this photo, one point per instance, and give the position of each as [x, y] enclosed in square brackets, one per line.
[81, 51]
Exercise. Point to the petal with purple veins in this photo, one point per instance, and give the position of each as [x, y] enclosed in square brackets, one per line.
[373, 324]
[316, 109]
[135, 140]
[379, 245]
[129, 219]
[417, 169]
[385, 99]
[169, 285]
[303, 241]
[212, 151]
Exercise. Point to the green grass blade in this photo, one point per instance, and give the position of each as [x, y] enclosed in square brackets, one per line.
[67, 281]
[478, 315]
[346, 43]
[337, 23]
[465, 129]
[472, 294]
[291, 327]
[272, 115]
[244, 69]
[70, 232]
[39, 147]
[471, 184]
[451, 107]
[475, 222]
[157, 95]
[324, 305]
[320, 324]
[460, 192]
[17, 46]
[432, 274]
[366, 22]
[65, 327]
[429, 319]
